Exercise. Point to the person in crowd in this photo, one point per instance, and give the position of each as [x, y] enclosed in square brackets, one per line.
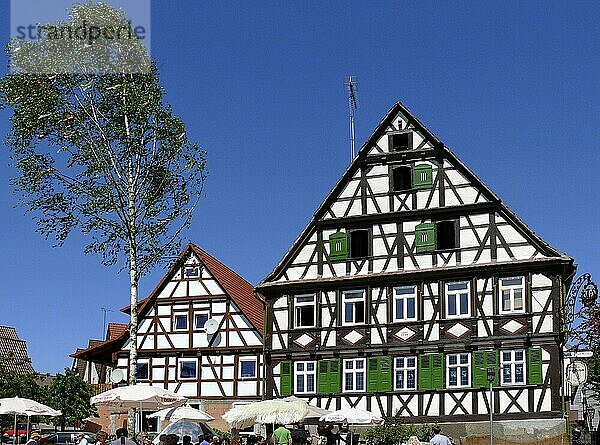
[80, 439]
[413, 440]
[282, 436]
[325, 433]
[225, 441]
[215, 440]
[236, 440]
[300, 435]
[34, 439]
[122, 438]
[101, 438]
[344, 435]
[205, 440]
[187, 440]
[438, 438]
[261, 440]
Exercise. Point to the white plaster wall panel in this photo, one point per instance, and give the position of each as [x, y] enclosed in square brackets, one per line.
[180, 290]
[204, 274]
[252, 338]
[188, 389]
[539, 280]
[234, 339]
[247, 388]
[481, 332]
[339, 268]
[172, 386]
[158, 361]
[502, 255]
[444, 260]
[485, 257]
[380, 266]
[145, 325]
[214, 288]
[240, 321]
[508, 232]
[282, 320]
[451, 199]
[523, 252]
[425, 261]
[379, 184]
[481, 403]
[435, 332]
[480, 198]
[380, 170]
[382, 203]
[228, 372]
[468, 194]
[375, 339]
[539, 299]
[281, 302]
[454, 176]
[164, 310]
[200, 340]
[427, 310]
[196, 289]
[166, 292]
[325, 317]
[158, 374]
[434, 403]
[180, 307]
[450, 403]
[481, 219]
[338, 208]
[328, 341]
[423, 197]
[225, 359]
[305, 254]
[202, 306]
[467, 237]
[219, 307]
[162, 342]
[546, 404]
[179, 340]
[379, 247]
[468, 256]
[172, 371]
[355, 208]
[294, 273]
[209, 389]
[351, 186]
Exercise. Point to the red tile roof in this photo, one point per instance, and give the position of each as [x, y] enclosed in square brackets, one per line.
[115, 330]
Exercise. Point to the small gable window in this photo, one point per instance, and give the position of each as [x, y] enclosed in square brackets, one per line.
[200, 320]
[407, 178]
[441, 235]
[192, 272]
[181, 322]
[359, 243]
[142, 370]
[401, 178]
[400, 141]
[446, 235]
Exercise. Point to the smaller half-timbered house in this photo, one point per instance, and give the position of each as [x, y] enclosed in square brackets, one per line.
[199, 334]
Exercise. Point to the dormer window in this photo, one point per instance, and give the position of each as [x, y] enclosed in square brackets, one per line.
[359, 243]
[400, 141]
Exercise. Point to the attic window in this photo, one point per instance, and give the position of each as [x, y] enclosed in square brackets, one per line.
[401, 178]
[400, 141]
[359, 243]
[446, 235]
[191, 272]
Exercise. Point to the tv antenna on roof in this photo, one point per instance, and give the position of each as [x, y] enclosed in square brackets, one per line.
[350, 84]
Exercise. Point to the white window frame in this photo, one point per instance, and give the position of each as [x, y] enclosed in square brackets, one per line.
[456, 294]
[187, 360]
[312, 303]
[353, 300]
[147, 362]
[192, 277]
[512, 364]
[247, 359]
[401, 365]
[404, 298]
[196, 313]
[511, 289]
[459, 366]
[187, 321]
[304, 373]
[355, 371]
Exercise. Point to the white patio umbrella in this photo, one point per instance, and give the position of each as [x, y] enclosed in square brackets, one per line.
[353, 416]
[183, 412]
[25, 407]
[265, 412]
[314, 412]
[185, 428]
[140, 396]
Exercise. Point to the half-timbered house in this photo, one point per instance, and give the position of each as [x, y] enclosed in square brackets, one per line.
[412, 280]
[199, 334]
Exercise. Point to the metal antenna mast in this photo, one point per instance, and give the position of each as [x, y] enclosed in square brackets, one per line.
[352, 105]
[104, 310]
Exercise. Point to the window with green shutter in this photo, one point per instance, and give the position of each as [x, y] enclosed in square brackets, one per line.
[534, 366]
[482, 360]
[329, 377]
[425, 237]
[379, 374]
[425, 371]
[431, 371]
[422, 176]
[338, 246]
[285, 378]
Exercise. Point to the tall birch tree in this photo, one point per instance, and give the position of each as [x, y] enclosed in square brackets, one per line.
[96, 147]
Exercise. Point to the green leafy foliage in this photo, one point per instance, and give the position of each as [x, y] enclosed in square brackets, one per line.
[70, 394]
[393, 432]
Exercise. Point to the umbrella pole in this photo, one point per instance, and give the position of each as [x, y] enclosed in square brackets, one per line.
[28, 427]
[15, 432]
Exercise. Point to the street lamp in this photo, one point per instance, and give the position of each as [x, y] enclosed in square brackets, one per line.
[491, 376]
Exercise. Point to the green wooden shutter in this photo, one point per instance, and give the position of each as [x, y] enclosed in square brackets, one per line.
[323, 376]
[338, 246]
[335, 376]
[373, 374]
[285, 376]
[425, 237]
[437, 371]
[385, 374]
[425, 371]
[479, 371]
[534, 366]
[493, 361]
[422, 176]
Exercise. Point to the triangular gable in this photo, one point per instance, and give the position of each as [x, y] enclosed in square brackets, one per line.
[399, 118]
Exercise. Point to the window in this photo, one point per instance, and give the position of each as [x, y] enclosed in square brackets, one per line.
[191, 272]
[181, 322]
[305, 373]
[304, 309]
[405, 303]
[458, 370]
[513, 367]
[188, 369]
[511, 295]
[200, 320]
[401, 179]
[142, 370]
[359, 243]
[354, 307]
[354, 374]
[400, 141]
[247, 368]
[405, 373]
[446, 235]
[338, 246]
[457, 299]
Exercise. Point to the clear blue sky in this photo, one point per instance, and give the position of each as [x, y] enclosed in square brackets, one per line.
[511, 87]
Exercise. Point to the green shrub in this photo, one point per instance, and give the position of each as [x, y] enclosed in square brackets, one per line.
[392, 432]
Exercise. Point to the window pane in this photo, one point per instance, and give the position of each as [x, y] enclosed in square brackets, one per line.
[405, 290]
[348, 310]
[142, 370]
[464, 359]
[307, 315]
[248, 368]
[410, 379]
[452, 377]
[399, 309]
[506, 300]
[506, 377]
[519, 374]
[359, 308]
[348, 386]
[452, 304]
[452, 359]
[310, 366]
[360, 381]
[506, 356]
[305, 299]
[464, 304]
[513, 281]
[400, 362]
[519, 355]
[462, 285]
[399, 379]
[349, 364]
[300, 366]
[360, 364]
[201, 320]
[410, 362]
[464, 376]
[300, 383]
[410, 307]
[518, 300]
[310, 383]
[187, 370]
[180, 321]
